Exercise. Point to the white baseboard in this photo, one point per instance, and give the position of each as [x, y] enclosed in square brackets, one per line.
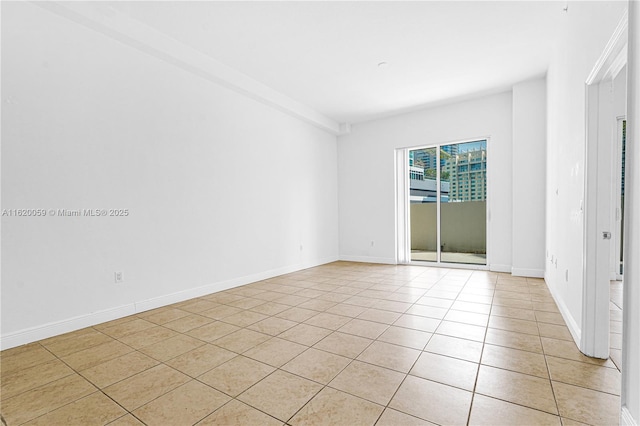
[524, 272]
[55, 328]
[626, 419]
[500, 268]
[368, 259]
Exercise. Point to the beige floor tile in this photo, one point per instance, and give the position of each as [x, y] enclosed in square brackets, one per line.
[378, 315]
[511, 339]
[172, 347]
[346, 310]
[462, 331]
[36, 402]
[237, 375]
[275, 352]
[394, 357]
[569, 422]
[213, 331]
[118, 321]
[244, 318]
[317, 305]
[446, 370]
[189, 322]
[186, 404]
[127, 420]
[30, 357]
[223, 297]
[467, 350]
[515, 360]
[24, 349]
[428, 311]
[343, 344]
[474, 298]
[586, 405]
[568, 350]
[241, 340]
[246, 303]
[237, 413]
[329, 321]
[603, 379]
[110, 372]
[432, 401]
[291, 300]
[417, 322]
[415, 339]
[196, 305]
[95, 409]
[391, 305]
[272, 326]
[522, 389]
[91, 357]
[146, 386]
[545, 307]
[332, 407]
[305, 334]
[478, 308]
[363, 328]
[373, 383]
[519, 292]
[271, 308]
[148, 337]
[491, 411]
[221, 312]
[554, 331]
[465, 317]
[121, 330]
[516, 313]
[513, 324]
[549, 317]
[513, 303]
[340, 295]
[200, 360]
[29, 378]
[75, 344]
[297, 314]
[392, 417]
[366, 302]
[281, 394]
[167, 315]
[316, 365]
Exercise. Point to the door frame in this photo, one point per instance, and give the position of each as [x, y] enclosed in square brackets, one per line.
[600, 132]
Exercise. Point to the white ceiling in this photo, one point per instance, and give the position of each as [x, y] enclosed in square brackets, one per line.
[326, 54]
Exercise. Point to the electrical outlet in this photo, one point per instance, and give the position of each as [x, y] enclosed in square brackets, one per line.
[118, 277]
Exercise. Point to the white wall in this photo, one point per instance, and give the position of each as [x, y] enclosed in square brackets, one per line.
[529, 176]
[631, 309]
[221, 189]
[585, 30]
[367, 177]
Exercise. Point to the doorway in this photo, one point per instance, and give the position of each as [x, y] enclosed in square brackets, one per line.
[448, 203]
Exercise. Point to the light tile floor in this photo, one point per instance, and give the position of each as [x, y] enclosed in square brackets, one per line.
[340, 344]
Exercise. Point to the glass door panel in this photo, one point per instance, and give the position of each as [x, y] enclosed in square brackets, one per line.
[463, 207]
[423, 204]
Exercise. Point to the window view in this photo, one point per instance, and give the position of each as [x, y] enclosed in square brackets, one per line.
[448, 193]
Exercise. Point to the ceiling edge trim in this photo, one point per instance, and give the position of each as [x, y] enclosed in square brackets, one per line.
[108, 21]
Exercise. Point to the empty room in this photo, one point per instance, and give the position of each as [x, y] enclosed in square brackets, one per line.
[320, 213]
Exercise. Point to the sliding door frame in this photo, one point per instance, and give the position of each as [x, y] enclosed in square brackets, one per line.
[403, 209]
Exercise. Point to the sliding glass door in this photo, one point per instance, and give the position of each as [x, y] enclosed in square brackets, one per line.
[447, 203]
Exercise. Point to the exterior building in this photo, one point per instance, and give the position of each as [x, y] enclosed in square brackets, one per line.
[467, 173]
